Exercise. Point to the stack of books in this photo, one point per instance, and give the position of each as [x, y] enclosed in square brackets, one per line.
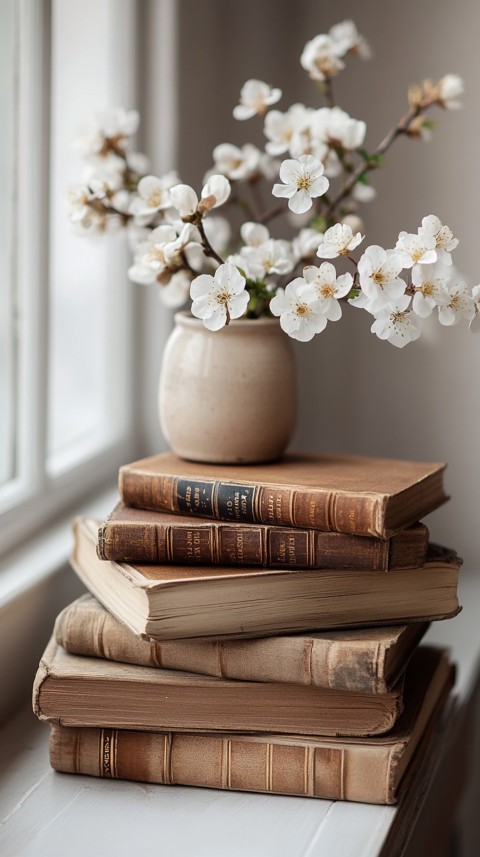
[256, 628]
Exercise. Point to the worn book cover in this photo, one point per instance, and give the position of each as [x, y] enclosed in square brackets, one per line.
[138, 535]
[344, 493]
[371, 770]
[367, 659]
[79, 691]
[174, 601]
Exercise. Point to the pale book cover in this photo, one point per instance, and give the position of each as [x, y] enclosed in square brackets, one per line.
[373, 770]
[344, 493]
[174, 601]
[367, 659]
[80, 691]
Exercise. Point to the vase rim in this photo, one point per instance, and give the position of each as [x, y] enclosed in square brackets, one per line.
[186, 319]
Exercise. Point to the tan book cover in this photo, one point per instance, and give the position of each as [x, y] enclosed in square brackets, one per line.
[367, 659]
[78, 691]
[173, 601]
[138, 535]
[371, 770]
[345, 493]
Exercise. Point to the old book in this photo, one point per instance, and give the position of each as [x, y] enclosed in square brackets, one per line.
[372, 770]
[172, 601]
[368, 660]
[137, 535]
[77, 691]
[348, 494]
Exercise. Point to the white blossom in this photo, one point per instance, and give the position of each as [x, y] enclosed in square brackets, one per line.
[111, 126]
[255, 97]
[184, 199]
[153, 194]
[396, 324]
[432, 227]
[175, 293]
[475, 322]
[321, 58]
[254, 234]
[329, 288]
[378, 271]
[460, 305]
[160, 251]
[347, 39]
[236, 163]
[363, 192]
[219, 298]
[303, 180]
[430, 284]
[241, 262]
[138, 163]
[271, 257]
[108, 168]
[306, 243]
[413, 249]
[333, 126]
[449, 89]
[117, 122]
[339, 240]
[299, 310]
[288, 132]
[215, 192]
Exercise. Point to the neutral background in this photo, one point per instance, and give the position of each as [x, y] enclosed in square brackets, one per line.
[357, 394]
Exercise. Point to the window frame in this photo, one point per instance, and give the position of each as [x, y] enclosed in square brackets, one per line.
[33, 496]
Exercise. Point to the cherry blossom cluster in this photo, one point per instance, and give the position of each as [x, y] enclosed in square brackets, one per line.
[316, 166]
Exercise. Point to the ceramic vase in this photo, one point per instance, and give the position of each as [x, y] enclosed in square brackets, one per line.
[228, 396]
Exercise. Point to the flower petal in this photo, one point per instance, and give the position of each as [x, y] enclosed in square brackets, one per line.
[300, 201]
[201, 285]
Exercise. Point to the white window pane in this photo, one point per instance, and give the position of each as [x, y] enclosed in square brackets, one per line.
[7, 295]
[84, 306]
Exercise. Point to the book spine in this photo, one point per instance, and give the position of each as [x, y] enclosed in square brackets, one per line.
[228, 501]
[271, 547]
[322, 663]
[347, 772]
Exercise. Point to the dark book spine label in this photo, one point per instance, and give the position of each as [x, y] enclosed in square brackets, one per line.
[224, 500]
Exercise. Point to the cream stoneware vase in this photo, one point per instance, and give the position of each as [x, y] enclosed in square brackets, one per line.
[228, 396]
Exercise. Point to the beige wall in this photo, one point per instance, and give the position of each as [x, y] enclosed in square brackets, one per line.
[357, 393]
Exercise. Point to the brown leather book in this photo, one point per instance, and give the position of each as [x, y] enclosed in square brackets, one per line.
[345, 493]
[138, 535]
[372, 770]
[368, 660]
[77, 691]
[173, 601]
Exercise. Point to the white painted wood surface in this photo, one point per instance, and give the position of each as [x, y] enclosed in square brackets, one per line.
[45, 813]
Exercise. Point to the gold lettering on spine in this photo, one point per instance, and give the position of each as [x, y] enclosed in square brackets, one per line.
[107, 753]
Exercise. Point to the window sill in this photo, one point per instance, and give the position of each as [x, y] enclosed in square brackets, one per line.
[35, 583]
